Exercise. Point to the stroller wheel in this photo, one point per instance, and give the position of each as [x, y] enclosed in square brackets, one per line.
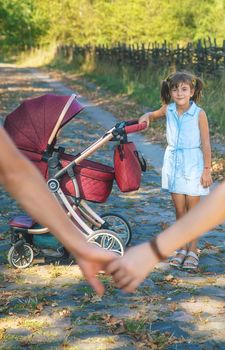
[108, 240]
[119, 225]
[20, 255]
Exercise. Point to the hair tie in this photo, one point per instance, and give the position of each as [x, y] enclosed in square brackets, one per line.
[166, 82]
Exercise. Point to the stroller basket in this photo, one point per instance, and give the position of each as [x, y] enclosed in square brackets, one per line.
[94, 179]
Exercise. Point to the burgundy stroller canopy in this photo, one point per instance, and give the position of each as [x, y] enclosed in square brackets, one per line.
[31, 125]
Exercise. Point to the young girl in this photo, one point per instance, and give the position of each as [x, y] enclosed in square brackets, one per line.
[186, 170]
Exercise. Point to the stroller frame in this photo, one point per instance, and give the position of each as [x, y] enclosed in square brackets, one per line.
[21, 253]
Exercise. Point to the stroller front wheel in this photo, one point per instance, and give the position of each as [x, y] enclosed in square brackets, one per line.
[108, 240]
[118, 224]
[20, 256]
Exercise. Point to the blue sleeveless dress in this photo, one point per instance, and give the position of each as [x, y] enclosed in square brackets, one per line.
[183, 160]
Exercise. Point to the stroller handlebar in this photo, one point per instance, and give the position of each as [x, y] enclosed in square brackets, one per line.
[133, 126]
[121, 129]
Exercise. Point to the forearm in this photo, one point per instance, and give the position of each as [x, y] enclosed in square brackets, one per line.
[205, 139]
[30, 190]
[206, 149]
[206, 215]
[152, 116]
[22, 180]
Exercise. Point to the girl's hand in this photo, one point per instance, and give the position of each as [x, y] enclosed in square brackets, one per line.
[144, 118]
[206, 178]
[131, 269]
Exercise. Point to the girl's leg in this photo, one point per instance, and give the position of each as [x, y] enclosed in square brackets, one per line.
[179, 202]
[191, 202]
[191, 261]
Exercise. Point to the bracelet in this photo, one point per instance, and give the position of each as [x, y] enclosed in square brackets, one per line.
[155, 248]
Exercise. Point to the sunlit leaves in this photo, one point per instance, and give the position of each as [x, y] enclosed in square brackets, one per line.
[26, 23]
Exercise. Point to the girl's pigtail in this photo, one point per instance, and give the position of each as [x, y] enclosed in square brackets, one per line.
[198, 86]
[165, 92]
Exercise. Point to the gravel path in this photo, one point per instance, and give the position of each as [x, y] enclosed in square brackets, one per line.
[50, 306]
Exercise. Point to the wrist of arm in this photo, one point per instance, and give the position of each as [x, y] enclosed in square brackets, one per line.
[150, 116]
[156, 250]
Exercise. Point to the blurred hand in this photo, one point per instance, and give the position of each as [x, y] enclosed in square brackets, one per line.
[93, 260]
[131, 269]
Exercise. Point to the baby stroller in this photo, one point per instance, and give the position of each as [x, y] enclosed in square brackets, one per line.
[73, 179]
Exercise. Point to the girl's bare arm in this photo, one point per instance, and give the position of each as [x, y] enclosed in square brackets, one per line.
[154, 115]
[206, 179]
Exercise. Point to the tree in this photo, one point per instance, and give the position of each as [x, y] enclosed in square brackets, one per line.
[19, 26]
[24, 23]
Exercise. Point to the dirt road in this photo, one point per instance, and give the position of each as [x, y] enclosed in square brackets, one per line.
[50, 306]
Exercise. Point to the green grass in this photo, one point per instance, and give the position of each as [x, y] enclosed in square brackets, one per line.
[141, 85]
[30, 304]
[133, 326]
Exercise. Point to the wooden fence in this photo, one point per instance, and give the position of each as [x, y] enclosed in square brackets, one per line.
[204, 56]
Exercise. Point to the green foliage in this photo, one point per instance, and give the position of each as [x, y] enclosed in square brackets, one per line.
[19, 25]
[25, 23]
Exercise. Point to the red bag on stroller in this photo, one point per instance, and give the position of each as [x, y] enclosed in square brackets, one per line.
[127, 167]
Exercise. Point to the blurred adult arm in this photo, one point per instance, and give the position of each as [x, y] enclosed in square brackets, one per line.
[131, 269]
[24, 183]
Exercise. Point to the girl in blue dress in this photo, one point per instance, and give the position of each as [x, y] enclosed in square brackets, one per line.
[186, 171]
